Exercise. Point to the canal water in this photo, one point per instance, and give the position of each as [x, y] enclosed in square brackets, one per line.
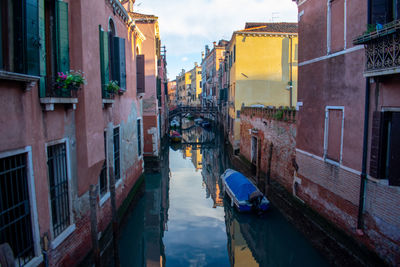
[183, 218]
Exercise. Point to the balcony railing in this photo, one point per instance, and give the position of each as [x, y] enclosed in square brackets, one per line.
[382, 50]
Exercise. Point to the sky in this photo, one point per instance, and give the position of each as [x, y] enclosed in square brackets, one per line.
[186, 26]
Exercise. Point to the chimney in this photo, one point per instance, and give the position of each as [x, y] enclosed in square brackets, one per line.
[202, 55]
[215, 44]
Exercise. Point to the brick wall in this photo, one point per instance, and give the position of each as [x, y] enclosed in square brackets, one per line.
[76, 246]
[333, 192]
[271, 127]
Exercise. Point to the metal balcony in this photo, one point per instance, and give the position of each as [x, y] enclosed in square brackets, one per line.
[382, 50]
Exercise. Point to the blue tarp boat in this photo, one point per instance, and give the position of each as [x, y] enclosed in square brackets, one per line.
[243, 193]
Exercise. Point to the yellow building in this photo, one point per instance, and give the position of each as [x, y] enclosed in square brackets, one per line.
[262, 62]
[195, 88]
[183, 86]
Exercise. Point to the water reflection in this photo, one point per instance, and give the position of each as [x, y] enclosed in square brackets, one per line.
[183, 220]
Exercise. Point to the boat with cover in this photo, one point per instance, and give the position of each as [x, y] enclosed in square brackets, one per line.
[243, 193]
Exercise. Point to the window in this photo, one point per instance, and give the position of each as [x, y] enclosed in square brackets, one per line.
[19, 36]
[337, 25]
[112, 59]
[385, 147]
[234, 53]
[15, 216]
[140, 74]
[56, 45]
[59, 192]
[117, 170]
[384, 11]
[139, 135]
[333, 140]
[116, 55]
[104, 170]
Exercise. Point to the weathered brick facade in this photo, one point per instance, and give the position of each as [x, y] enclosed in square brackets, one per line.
[332, 79]
[275, 131]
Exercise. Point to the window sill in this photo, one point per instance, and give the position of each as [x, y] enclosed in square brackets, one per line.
[59, 239]
[49, 102]
[104, 198]
[107, 102]
[118, 183]
[29, 80]
[35, 261]
[332, 162]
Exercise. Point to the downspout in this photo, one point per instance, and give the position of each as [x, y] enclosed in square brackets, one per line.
[291, 69]
[361, 202]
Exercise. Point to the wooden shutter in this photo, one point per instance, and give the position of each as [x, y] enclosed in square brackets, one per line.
[62, 36]
[334, 142]
[376, 144]
[31, 41]
[119, 68]
[104, 68]
[394, 155]
[140, 74]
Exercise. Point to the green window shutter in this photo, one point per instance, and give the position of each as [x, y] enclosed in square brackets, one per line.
[119, 68]
[31, 43]
[42, 49]
[104, 69]
[62, 36]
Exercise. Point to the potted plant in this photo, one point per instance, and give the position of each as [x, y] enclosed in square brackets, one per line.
[66, 83]
[112, 88]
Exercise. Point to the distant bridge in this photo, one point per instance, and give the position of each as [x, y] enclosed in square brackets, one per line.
[195, 111]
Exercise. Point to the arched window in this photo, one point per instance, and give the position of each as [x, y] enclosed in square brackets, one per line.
[111, 60]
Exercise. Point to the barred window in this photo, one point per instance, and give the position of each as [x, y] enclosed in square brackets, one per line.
[58, 182]
[139, 134]
[104, 170]
[15, 216]
[117, 173]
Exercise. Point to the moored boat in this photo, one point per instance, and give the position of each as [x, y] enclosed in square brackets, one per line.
[243, 193]
[175, 136]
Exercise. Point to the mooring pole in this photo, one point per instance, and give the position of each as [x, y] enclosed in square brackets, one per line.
[114, 218]
[93, 224]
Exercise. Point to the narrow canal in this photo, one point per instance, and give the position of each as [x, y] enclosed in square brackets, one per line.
[183, 219]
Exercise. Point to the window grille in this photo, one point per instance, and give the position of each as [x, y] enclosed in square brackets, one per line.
[103, 173]
[15, 217]
[58, 181]
[117, 174]
[139, 134]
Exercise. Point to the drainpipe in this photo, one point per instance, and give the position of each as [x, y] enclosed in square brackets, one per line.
[361, 202]
[290, 77]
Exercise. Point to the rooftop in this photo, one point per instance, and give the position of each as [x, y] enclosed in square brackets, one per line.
[139, 16]
[278, 27]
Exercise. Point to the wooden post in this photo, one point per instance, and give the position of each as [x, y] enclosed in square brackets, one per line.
[114, 218]
[93, 223]
[269, 163]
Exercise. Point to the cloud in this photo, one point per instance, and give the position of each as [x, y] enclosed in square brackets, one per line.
[187, 26]
[185, 59]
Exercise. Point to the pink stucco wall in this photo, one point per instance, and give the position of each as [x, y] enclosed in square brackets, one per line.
[25, 123]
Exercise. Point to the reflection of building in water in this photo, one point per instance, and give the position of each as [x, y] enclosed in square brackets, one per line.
[211, 175]
[239, 252]
[188, 152]
[156, 213]
[197, 157]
